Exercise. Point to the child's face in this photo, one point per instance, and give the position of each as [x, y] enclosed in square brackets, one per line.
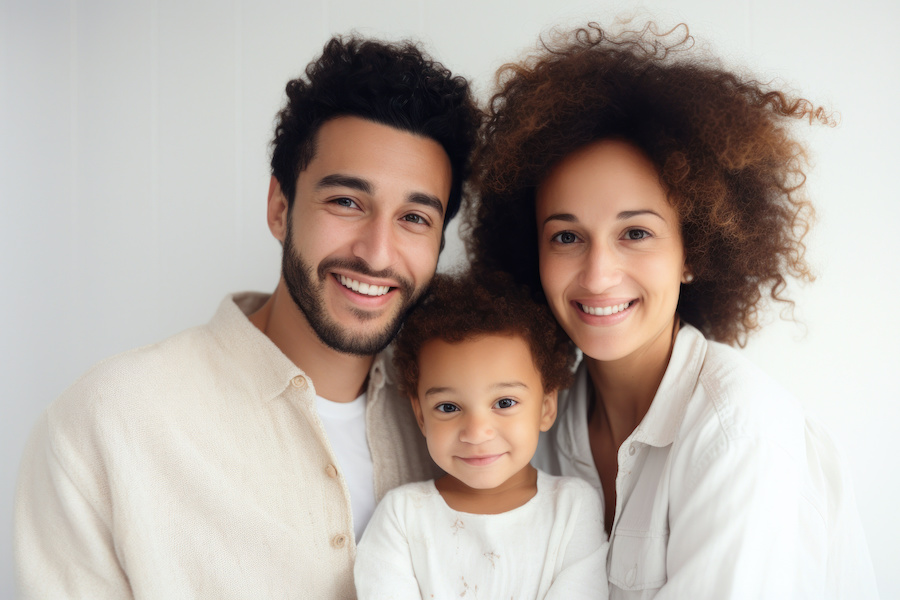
[481, 406]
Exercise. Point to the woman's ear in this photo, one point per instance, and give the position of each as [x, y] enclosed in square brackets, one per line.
[548, 410]
[417, 409]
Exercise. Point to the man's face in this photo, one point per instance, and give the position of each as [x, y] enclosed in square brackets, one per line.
[363, 237]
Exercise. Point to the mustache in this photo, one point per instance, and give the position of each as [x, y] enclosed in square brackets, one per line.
[360, 266]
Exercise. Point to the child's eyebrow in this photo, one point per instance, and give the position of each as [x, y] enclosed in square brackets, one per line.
[509, 384]
[503, 385]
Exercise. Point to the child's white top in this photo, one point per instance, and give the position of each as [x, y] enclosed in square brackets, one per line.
[553, 546]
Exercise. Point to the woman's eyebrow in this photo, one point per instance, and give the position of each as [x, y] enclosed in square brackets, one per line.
[567, 217]
[627, 214]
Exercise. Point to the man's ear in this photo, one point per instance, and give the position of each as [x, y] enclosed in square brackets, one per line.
[548, 410]
[417, 408]
[277, 210]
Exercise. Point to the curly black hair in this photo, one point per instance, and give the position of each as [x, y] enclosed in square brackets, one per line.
[393, 84]
[466, 306]
[720, 142]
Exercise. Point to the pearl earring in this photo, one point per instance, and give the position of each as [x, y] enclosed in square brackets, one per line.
[688, 277]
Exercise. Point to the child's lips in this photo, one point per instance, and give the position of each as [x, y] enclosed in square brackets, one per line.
[480, 460]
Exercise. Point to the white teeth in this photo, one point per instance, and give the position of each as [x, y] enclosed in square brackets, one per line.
[605, 310]
[364, 288]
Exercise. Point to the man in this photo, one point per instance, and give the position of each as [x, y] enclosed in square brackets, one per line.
[225, 462]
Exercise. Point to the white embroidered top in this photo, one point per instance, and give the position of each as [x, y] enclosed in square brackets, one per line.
[553, 546]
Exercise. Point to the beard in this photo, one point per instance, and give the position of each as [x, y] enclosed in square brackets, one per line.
[307, 290]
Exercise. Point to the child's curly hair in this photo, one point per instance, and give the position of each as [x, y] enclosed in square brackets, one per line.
[462, 307]
[720, 143]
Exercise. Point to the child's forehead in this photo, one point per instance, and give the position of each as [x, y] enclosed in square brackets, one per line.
[488, 352]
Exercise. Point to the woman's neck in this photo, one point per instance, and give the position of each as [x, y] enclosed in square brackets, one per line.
[625, 388]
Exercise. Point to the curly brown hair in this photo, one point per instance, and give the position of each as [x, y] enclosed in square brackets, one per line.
[464, 306]
[395, 84]
[719, 142]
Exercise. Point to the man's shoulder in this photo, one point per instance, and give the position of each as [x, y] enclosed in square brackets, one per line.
[139, 379]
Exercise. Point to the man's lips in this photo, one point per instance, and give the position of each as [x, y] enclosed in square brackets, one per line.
[480, 461]
[361, 287]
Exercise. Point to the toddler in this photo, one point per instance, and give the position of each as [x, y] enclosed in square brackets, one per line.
[481, 365]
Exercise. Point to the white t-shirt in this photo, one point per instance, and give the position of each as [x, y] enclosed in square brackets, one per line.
[553, 546]
[345, 425]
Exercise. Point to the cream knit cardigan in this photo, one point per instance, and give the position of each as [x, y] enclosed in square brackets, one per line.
[198, 468]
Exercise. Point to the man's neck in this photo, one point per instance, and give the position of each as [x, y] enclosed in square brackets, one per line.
[337, 376]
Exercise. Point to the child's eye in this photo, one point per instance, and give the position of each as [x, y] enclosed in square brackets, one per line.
[446, 407]
[505, 403]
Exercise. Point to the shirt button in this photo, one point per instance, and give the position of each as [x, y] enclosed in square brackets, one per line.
[331, 471]
[630, 576]
[299, 382]
[339, 540]
[631, 450]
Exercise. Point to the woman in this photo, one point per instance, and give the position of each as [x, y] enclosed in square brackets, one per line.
[655, 201]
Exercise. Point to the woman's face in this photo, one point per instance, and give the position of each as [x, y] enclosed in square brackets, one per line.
[611, 255]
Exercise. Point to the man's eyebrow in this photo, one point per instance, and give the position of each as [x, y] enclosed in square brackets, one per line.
[347, 181]
[429, 201]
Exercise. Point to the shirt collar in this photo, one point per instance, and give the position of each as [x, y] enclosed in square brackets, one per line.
[661, 423]
[256, 361]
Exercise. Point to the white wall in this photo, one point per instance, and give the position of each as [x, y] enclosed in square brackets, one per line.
[133, 177]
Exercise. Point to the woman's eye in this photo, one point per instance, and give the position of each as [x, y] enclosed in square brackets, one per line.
[636, 234]
[446, 407]
[505, 403]
[414, 218]
[565, 237]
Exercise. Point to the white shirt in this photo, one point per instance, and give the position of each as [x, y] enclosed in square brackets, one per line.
[553, 546]
[724, 490]
[345, 425]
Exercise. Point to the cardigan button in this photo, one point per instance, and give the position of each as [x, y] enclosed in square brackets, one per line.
[299, 382]
[331, 471]
[339, 540]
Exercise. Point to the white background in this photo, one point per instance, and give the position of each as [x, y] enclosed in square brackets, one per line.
[133, 179]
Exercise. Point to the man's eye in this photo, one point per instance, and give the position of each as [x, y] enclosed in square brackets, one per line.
[345, 202]
[565, 237]
[505, 403]
[637, 234]
[446, 407]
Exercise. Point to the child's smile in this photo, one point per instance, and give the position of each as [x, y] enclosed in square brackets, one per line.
[481, 407]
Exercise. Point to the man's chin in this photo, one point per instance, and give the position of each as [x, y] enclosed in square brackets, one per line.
[360, 342]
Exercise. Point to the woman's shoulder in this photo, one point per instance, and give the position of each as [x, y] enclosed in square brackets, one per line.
[734, 399]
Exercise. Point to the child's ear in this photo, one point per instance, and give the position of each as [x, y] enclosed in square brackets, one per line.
[548, 410]
[417, 408]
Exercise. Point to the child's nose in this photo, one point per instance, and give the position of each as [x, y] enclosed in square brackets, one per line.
[478, 429]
